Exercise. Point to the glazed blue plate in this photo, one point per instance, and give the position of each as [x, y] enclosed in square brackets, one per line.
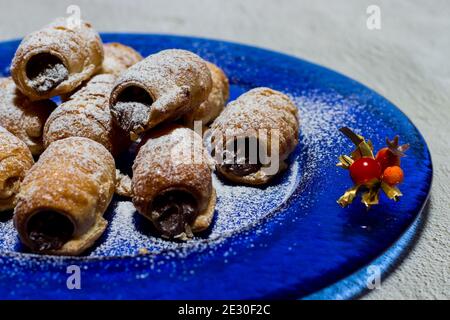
[289, 239]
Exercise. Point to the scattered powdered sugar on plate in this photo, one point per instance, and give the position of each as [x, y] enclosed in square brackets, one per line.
[9, 238]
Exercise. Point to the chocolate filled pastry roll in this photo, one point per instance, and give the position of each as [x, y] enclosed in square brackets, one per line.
[86, 114]
[22, 117]
[172, 184]
[253, 136]
[15, 161]
[118, 58]
[217, 98]
[162, 87]
[63, 197]
[56, 59]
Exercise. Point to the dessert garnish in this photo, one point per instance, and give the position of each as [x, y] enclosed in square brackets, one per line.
[371, 174]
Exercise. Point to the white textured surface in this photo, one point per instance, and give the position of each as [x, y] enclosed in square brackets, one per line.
[406, 61]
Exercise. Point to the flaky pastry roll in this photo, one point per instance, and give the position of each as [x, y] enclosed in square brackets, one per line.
[56, 59]
[22, 117]
[86, 114]
[172, 184]
[162, 87]
[63, 197]
[15, 161]
[217, 98]
[118, 58]
[253, 136]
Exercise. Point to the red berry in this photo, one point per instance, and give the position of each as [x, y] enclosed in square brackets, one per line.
[387, 158]
[393, 175]
[365, 170]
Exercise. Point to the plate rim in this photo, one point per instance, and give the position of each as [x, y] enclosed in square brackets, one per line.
[411, 228]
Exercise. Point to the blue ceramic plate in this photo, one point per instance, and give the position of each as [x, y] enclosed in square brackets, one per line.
[289, 239]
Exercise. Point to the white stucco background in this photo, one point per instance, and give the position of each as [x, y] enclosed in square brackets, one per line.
[407, 61]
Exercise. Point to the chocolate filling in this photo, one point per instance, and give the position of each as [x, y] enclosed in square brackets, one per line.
[238, 160]
[172, 211]
[49, 230]
[46, 72]
[132, 108]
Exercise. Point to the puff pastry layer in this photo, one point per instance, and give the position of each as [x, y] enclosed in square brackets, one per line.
[22, 117]
[86, 114]
[254, 135]
[15, 161]
[63, 197]
[217, 98]
[172, 184]
[56, 59]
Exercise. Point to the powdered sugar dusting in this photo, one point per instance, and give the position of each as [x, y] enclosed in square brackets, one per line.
[178, 81]
[79, 50]
[239, 208]
[49, 77]
[118, 58]
[86, 114]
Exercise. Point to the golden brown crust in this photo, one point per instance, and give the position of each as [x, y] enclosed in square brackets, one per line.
[80, 49]
[177, 81]
[15, 161]
[217, 98]
[258, 110]
[174, 159]
[118, 58]
[204, 219]
[123, 184]
[75, 177]
[22, 117]
[86, 114]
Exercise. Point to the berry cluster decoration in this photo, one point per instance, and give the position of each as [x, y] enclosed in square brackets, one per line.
[370, 173]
